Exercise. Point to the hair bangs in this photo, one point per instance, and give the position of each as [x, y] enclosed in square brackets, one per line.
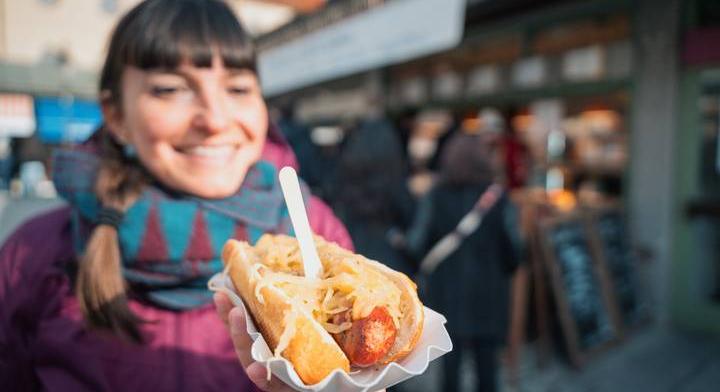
[188, 31]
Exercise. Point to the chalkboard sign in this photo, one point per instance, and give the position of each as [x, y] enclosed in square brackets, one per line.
[581, 290]
[614, 249]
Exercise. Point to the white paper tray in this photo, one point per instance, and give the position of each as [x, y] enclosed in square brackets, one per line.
[433, 343]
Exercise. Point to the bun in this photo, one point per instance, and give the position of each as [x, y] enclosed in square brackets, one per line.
[359, 313]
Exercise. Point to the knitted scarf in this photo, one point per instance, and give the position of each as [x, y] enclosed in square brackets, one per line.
[171, 244]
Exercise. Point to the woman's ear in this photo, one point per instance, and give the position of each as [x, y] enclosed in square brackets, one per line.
[112, 116]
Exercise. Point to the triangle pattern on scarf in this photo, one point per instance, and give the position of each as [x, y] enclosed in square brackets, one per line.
[200, 247]
[222, 229]
[174, 217]
[129, 242]
[241, 233]
[254, 234]
[153, 247]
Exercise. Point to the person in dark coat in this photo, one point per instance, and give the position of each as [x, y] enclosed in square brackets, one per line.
[471, 285]
[370, 194]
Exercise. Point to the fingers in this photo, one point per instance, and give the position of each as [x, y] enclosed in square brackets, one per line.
[234, 319]
[240, 338]
[223, 305]
[258, 375]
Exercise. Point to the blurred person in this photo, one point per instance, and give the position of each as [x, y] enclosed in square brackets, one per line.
[470, 283]
[32, 175]
[514, 151]
[370, 192]
[284, 117]
[430, 131]
[424, 141]
[27, 152]
[321, 161]
[109, 292]
[516, 157]
[308, 154]
[317, 148]
[404, 123]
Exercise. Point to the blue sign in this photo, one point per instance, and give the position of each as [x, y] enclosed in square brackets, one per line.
[66, 119]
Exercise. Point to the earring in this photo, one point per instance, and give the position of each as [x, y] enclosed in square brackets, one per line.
[129, 151]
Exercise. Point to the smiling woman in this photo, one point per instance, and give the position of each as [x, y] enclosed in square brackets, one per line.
[195, 129]
[185, 160]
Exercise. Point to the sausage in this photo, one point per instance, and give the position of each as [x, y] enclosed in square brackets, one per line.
[369, 338]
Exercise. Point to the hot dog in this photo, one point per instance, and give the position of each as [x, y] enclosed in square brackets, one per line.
[359, 313]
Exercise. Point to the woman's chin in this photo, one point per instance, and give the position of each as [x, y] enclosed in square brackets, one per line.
[205, 178]
[209, 188]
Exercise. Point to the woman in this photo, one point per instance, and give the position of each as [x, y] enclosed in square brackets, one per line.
[471, 285]
[109, 293]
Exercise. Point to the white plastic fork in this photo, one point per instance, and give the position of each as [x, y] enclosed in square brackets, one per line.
[298, 215]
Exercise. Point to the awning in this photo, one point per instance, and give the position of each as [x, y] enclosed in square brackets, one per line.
[393, 32]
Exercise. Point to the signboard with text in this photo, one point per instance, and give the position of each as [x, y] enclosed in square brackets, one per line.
[394, 32]
[65, 119]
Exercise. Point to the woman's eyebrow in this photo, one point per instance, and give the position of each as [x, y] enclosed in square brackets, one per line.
[170, 71]
[233, 72]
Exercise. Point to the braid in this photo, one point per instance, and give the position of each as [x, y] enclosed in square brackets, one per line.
[100, 284]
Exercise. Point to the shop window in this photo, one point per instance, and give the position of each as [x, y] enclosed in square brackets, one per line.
[579, 144]
[705, 222]
[709, 105]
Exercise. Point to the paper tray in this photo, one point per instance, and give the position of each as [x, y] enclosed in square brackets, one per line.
[433, 343]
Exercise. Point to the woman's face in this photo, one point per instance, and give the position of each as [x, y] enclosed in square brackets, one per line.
[197, 130]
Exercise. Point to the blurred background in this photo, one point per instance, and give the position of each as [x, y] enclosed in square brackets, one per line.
[607, 111]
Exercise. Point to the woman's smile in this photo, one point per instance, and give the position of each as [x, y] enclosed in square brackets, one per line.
[210, 155]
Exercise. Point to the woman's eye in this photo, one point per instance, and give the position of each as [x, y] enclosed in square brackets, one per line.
[165, 91]
[238, 90]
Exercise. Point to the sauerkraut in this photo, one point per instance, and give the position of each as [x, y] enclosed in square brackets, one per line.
[344, 285]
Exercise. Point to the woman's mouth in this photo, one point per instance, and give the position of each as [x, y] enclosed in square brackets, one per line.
[216, 154]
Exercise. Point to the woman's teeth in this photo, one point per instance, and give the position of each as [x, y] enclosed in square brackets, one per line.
[211, 151]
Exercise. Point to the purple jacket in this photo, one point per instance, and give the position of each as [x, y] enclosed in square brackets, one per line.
[45, 345]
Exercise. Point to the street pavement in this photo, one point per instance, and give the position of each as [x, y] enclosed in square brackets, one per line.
[655, 359]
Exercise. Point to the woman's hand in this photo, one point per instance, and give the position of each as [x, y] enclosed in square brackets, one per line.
[234, 319]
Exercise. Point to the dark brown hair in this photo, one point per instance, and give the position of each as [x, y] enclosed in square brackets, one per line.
[156, 34]
[468, 159]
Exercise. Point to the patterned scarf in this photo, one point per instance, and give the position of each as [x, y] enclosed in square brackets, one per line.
[171, 244]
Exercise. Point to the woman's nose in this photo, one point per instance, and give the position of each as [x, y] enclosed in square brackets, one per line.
[213, 116]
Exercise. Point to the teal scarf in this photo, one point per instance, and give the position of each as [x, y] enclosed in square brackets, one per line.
[171, 244]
